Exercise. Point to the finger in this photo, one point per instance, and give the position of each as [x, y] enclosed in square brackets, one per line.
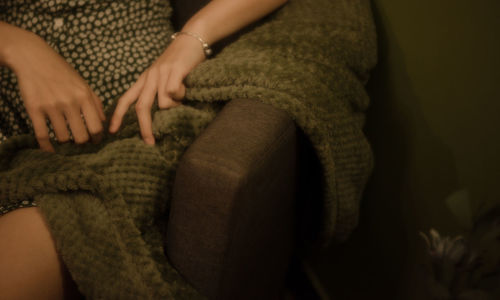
[93, 121]
[143, 107]
[41, 132]
[164, 100]
[98, 104]
[60, 126]
[124, 102]
[80, 134]
[180, 94]
[170, 90]
[175, 87]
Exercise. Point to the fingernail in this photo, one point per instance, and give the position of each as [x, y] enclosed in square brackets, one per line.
[96, 139]
[150, 141]
[48, 149]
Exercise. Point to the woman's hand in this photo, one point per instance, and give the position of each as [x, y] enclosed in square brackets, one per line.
[216, 20]
[163, 79]
[52, 89]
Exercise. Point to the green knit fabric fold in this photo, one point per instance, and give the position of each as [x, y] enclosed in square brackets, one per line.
[107, 204]
[311, 59]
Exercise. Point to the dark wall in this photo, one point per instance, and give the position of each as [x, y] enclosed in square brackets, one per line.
[434, 125]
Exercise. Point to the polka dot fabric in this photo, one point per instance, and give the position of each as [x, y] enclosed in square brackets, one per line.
[110, 43]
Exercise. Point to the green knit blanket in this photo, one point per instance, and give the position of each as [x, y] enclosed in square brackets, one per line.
[107, 204]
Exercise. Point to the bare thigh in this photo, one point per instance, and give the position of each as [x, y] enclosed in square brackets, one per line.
[30, 265]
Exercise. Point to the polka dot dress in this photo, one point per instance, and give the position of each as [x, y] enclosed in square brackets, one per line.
[110, 43]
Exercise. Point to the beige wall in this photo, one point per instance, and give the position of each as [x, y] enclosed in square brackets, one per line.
[434, 125]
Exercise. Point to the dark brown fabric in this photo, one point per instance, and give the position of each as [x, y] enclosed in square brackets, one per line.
[184, 9]
[231, 221]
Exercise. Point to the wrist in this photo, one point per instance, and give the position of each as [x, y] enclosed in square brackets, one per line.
[204, 45]
[189, 48]
[12, 38]
[200, 28]
[7, 55]
[7, 32]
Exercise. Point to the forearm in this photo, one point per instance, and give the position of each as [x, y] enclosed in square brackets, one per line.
[220, 18]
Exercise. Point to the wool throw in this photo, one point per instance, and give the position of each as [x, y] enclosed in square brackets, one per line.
[107, 204]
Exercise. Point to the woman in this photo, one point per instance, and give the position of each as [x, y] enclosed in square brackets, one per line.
[69, 89]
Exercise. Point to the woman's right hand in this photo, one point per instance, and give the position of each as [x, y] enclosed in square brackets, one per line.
[52, 89]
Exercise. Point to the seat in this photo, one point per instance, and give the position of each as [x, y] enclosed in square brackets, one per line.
[233, 226]
[246, 198]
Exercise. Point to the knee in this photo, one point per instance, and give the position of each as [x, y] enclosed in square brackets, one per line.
[31, 268]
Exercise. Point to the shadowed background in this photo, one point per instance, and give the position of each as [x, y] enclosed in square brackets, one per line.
[434, 128]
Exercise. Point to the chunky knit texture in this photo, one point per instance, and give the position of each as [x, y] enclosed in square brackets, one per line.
[311, 60]
[107, 204]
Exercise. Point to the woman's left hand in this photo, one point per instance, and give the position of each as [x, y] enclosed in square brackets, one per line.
[164, 78]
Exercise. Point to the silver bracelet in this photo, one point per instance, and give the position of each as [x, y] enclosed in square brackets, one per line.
[206, 48]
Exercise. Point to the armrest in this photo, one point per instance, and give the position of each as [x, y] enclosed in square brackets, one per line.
[230, 230]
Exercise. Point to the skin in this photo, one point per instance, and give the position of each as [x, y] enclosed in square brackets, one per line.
[31, 267]
[52, 90]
